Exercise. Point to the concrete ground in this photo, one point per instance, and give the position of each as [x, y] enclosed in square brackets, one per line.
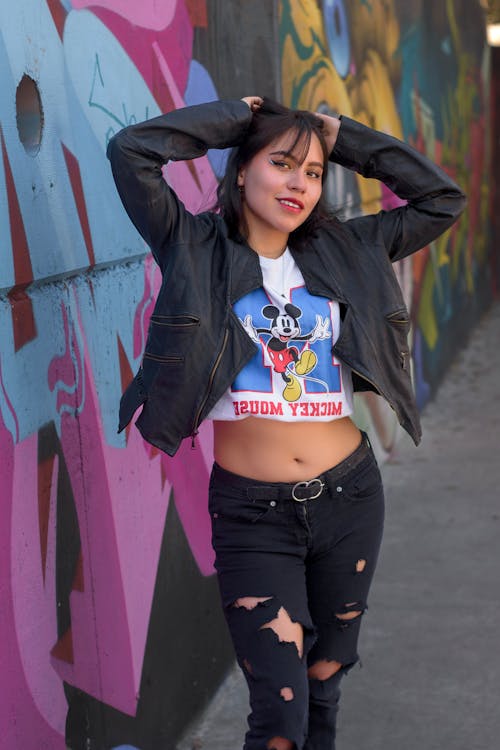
[430, 641]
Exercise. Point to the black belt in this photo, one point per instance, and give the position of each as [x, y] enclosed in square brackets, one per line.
[312, 488]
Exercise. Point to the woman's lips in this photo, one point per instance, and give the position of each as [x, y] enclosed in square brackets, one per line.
[291, 204]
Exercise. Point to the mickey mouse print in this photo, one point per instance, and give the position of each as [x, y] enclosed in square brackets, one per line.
[286, 359]
[293, 375]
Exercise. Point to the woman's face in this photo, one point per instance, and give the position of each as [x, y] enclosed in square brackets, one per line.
[280, 189]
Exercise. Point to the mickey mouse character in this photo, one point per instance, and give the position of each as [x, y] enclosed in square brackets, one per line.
[285, 328]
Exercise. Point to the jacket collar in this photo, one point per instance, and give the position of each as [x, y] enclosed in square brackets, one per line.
[246, 274]
[321, 278]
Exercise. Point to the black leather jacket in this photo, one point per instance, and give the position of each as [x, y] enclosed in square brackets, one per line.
[196, 345]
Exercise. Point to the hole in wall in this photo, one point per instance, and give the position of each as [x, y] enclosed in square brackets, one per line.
[29, 115]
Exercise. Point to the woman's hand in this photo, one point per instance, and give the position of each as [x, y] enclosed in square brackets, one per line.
[331, 127]
[254, 102]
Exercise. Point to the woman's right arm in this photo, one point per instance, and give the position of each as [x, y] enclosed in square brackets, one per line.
[138, 152]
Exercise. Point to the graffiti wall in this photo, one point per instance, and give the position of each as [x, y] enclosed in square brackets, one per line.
[112, 634]
[419, 71]
[108, 601]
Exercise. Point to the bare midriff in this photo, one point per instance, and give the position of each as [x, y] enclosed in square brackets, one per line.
[274, 451]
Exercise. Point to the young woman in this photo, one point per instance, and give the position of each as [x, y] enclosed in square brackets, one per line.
[270, 314]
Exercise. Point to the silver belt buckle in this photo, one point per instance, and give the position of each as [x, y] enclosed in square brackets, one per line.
[310, 483]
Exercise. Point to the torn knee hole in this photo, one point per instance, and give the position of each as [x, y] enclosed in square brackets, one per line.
[323, 669]
[286, 629]
[360, 566]
[250, 602]
[280, 743]
[348, 615]
[351, 611]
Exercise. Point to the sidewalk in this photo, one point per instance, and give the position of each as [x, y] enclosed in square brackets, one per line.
[430, 642]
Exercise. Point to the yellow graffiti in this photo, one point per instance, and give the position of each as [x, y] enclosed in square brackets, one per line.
[366, 91]
[311, 81]
[309, 77]
[467, 247]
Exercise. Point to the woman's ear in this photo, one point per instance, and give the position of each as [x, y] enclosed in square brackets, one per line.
[241, 178]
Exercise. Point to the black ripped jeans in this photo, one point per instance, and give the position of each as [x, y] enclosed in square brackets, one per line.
[314, 559]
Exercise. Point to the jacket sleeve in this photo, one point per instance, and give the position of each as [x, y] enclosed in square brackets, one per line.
[434, 201]
[138, 152]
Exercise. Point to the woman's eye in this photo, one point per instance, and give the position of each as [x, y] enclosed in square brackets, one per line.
[315, 175]
[281, 164]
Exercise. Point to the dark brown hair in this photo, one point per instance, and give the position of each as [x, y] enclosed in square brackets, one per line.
[271, 121]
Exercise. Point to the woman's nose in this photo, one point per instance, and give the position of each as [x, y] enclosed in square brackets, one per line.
[297, 181]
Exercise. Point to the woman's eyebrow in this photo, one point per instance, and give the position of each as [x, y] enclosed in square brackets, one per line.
[289, 155]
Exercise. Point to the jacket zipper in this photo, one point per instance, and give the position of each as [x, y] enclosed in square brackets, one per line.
[207, 394]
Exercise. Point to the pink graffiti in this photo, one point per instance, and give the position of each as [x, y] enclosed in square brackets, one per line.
[33, 590]
[477, 158]
[163, 57]
[390, 199]
[31, 696]
[188, 470]
[152, 281]
[174, 40]
[121, 498]
[121, 505]
[65, 373]
[121, 495]
[148, 14]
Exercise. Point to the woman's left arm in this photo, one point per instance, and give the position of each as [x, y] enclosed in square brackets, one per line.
[434, 200]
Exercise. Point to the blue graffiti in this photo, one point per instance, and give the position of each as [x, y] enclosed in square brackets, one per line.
[199, 89]
[337, 34]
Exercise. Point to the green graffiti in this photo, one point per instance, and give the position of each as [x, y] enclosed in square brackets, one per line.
[124, 119]
[287, 29]
[301, 83]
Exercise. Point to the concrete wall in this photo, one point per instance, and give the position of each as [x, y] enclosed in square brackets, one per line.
[107, 600]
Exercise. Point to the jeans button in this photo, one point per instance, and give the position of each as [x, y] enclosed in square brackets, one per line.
[273, 503]
[339, 489]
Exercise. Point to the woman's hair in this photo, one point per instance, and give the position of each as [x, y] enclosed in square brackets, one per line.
[270, 122]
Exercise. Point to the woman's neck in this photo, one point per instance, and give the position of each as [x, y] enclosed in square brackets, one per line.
[270, 253]
[269, 246]
[266, 239]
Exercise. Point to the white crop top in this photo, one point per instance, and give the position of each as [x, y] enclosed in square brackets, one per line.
[293, 376]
